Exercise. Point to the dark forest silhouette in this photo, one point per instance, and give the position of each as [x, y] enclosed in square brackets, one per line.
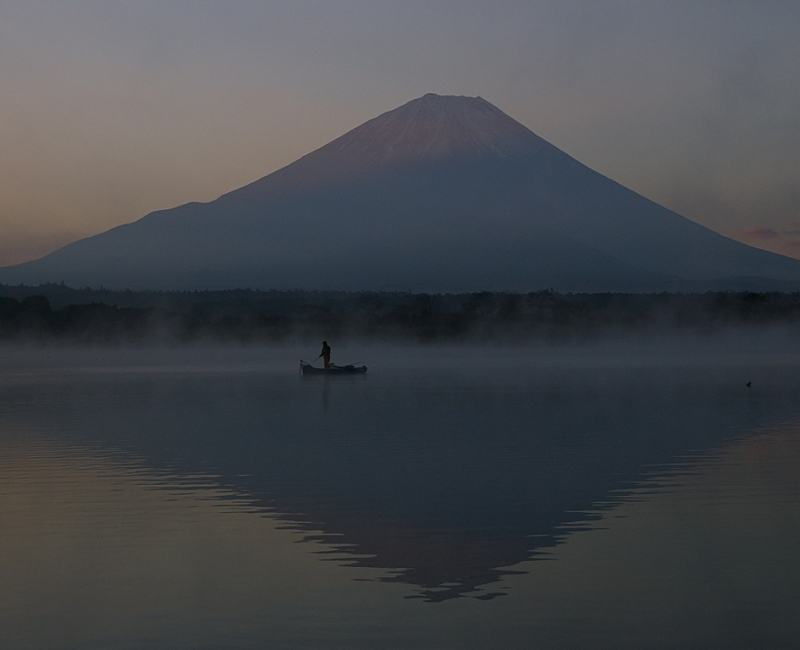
[59, 313]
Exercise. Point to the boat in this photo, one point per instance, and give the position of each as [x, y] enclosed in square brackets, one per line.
[333, 369]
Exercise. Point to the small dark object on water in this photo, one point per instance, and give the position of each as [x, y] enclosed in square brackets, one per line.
[748, 384]
[333, 369]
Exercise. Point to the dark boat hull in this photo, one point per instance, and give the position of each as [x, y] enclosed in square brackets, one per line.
[308, 369]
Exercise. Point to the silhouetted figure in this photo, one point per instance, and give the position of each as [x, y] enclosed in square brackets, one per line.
[326, 354]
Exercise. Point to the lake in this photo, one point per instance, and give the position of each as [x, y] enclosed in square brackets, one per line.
[617, 496]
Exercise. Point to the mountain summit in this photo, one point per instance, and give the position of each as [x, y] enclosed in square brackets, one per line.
[434, 127]
[427, 129]
[443, 194]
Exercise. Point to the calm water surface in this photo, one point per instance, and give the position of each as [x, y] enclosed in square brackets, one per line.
[572, 499]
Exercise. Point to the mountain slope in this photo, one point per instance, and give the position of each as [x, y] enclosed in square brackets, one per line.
[440, 194]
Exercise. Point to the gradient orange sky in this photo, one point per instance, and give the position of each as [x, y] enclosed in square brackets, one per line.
[111, 110]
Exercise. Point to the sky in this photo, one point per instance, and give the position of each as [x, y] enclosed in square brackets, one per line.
[110, 110]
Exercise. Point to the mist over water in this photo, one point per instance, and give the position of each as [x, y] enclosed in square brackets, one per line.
[453, 496]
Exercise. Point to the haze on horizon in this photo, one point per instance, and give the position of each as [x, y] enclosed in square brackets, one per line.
[113, 110]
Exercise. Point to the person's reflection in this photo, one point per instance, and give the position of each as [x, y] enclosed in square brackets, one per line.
[326, 393]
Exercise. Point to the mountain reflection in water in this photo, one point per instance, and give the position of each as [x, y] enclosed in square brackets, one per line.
[441, 478]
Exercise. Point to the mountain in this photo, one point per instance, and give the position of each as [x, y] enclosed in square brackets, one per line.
[443, 194]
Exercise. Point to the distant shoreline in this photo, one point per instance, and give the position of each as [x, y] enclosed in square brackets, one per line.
[56, 313]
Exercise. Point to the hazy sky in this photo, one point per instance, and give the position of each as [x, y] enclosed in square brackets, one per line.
[112, 109]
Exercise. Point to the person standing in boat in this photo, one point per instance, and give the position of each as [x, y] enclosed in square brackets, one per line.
[326, 354]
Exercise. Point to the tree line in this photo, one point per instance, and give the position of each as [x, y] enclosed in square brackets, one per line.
[57, 313]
